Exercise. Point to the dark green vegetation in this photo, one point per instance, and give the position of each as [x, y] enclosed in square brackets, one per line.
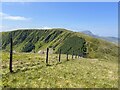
[28, 40]
[67, 41]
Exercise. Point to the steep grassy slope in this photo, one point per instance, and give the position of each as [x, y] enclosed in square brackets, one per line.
[28, 40]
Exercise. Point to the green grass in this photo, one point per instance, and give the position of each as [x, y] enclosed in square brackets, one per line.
[30, 71]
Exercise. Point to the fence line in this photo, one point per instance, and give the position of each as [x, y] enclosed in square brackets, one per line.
[47, 54]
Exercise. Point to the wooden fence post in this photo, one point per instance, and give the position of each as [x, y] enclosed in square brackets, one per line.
[47, 56]
[59, 54]
[11, 52]
[67, 56]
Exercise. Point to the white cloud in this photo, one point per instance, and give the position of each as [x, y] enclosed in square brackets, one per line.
[8, 28]
[15, 18]
[46, 28]
[4, 28]
[10, 17]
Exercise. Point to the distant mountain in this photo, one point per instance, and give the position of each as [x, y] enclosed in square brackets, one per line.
[110, 39]
[88, 33]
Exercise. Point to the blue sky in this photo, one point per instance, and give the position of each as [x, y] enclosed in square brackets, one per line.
[99, 18]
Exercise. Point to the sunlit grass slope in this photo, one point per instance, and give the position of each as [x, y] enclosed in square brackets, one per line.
[30, 71]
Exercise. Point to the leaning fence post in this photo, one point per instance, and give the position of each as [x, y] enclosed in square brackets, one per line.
[11, 52]
[67, 56]
[47, 56]
[59, 54]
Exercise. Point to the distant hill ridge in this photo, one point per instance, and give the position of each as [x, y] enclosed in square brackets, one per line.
[68, 41]
[110, 39]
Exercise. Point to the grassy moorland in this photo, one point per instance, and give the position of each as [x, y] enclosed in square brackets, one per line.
[98, 70]
[30, 71]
